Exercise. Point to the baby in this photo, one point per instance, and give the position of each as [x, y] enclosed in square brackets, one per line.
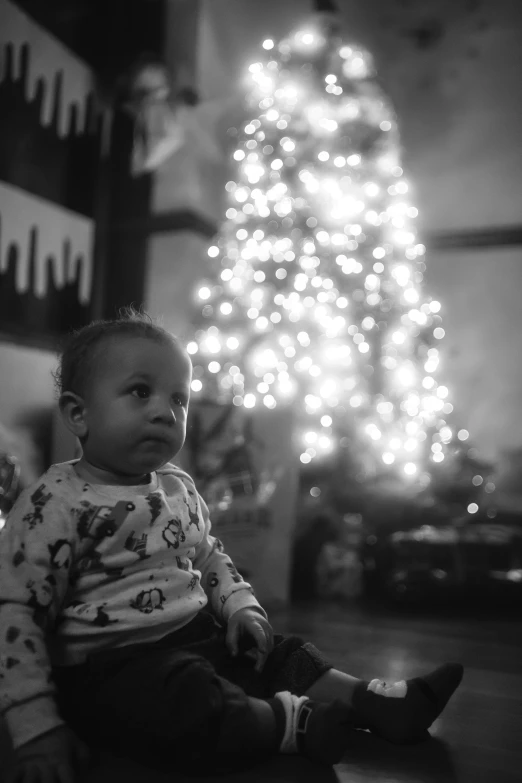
[124, 623]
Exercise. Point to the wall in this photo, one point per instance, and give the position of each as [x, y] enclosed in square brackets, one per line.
[480, 290]
[26, 381]
[177, 261]
[26, 403]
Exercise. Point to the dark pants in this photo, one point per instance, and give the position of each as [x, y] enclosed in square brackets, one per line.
[180, 702]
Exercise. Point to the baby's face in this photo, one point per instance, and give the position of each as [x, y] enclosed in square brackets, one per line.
[136, 405]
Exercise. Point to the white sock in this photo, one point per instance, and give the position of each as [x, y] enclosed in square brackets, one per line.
[292, 705]
[396, 690]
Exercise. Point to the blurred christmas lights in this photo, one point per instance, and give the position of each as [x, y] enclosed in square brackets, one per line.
[317, 297]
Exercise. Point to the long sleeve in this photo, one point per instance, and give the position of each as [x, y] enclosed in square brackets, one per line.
[225, 587]
[83, 570]
[36, 551]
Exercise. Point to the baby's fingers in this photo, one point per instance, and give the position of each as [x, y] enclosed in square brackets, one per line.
[262, 648]
[232, 639]
[261, 656]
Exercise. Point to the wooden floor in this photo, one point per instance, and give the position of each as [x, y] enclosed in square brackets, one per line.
[477, 740]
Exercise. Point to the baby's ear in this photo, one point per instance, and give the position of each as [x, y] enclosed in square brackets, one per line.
[72, 409]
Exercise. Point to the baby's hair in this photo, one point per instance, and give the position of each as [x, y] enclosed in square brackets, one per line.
[78, 355]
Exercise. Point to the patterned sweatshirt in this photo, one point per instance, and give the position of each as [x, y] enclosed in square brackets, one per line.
[86, 567]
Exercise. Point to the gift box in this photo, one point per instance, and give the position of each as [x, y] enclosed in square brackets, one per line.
[472, 560]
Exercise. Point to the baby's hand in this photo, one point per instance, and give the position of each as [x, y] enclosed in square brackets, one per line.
[57, 756]
[248, 622]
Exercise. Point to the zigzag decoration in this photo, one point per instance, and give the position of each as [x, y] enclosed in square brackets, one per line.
[45, 265]
[51, 134]
[56, 229]
[50, 62]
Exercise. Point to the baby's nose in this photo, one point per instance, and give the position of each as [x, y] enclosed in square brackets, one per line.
[163, 411]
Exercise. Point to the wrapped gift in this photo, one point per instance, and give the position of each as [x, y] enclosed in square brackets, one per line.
[472, 559]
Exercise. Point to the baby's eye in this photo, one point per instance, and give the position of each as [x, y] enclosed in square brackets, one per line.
[141, 390]
[181, 399]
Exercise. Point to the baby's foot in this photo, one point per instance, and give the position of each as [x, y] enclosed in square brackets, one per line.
[319, 731]
[402, 712]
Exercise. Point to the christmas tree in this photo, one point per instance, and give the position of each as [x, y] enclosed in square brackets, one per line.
[314, 296]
